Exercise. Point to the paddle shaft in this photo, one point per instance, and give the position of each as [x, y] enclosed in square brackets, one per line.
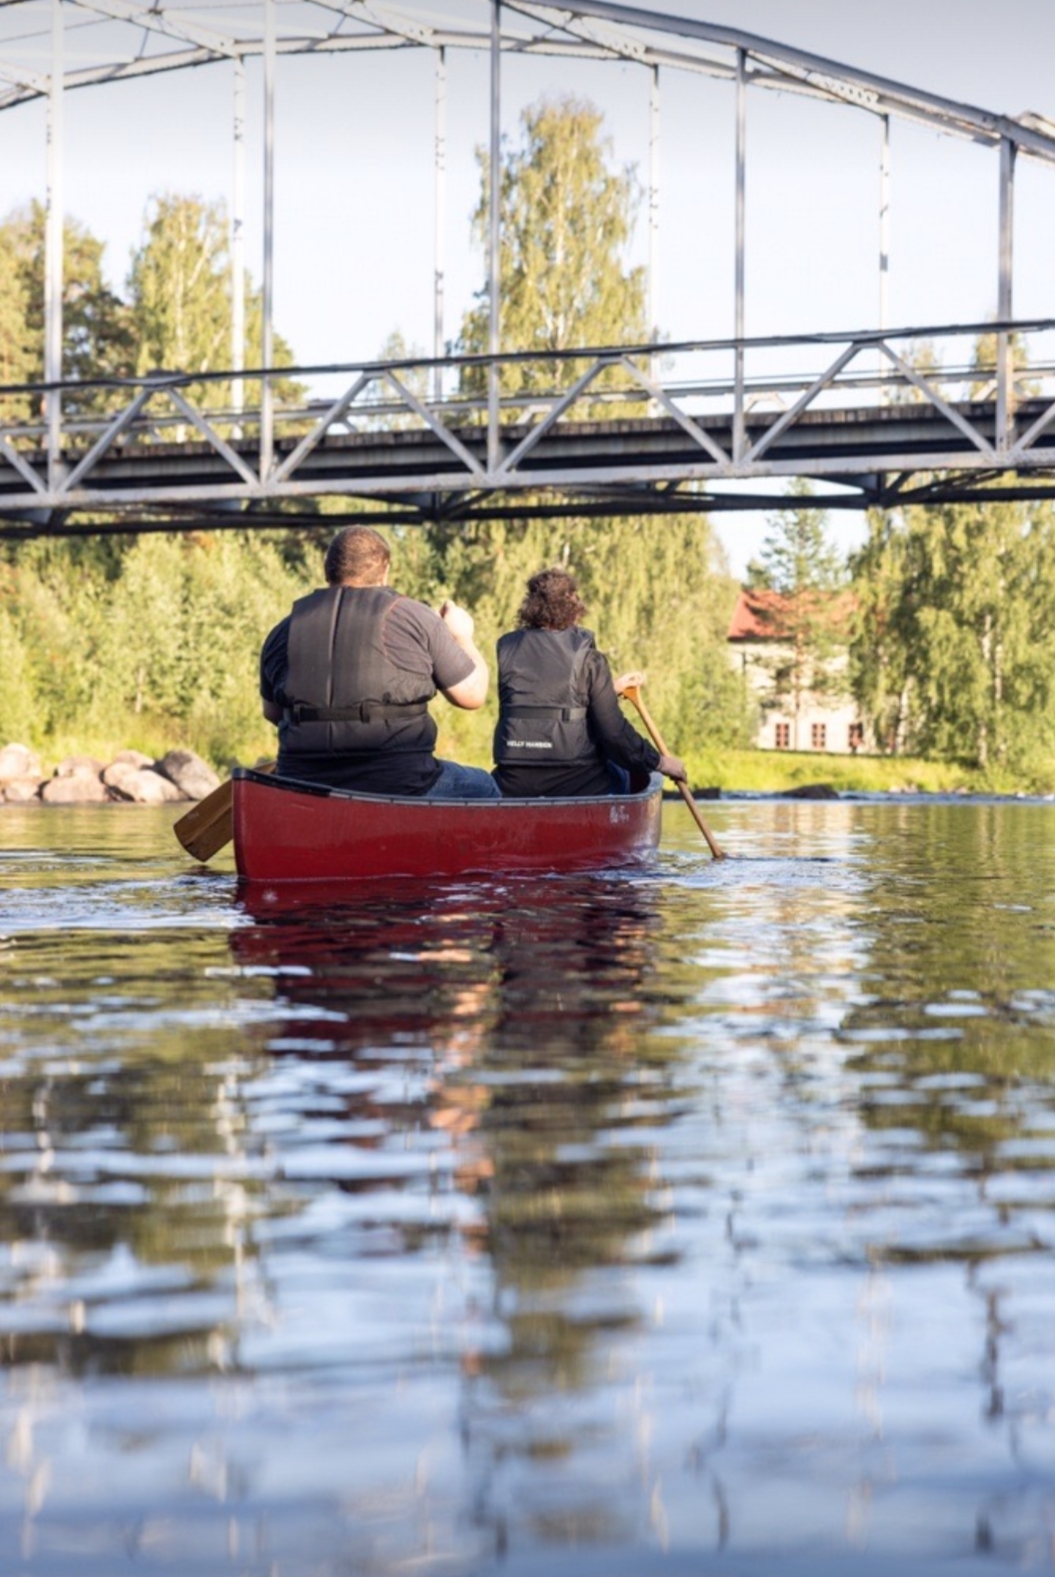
[633, 695]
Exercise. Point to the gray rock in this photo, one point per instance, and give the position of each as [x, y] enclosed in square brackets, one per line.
[21, 791]
[75, 788]
[18, 761]
[811, 791]
[141, 785]
[189, 773]
[78, 767]
[133, 758]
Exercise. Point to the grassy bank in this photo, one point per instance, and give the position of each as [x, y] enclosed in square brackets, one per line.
[774, 771]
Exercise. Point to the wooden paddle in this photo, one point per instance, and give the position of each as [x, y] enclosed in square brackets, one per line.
[634, 696]
[207, 826]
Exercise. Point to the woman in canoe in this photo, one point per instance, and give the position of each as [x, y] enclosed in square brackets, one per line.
[560, 731]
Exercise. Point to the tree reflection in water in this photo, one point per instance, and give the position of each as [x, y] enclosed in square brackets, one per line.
[530, 1009]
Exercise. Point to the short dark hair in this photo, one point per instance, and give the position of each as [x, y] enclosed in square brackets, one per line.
[359, 554]
[552, 601]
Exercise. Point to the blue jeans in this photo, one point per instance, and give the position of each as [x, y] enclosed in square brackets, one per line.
[458, 782]
[618, 778]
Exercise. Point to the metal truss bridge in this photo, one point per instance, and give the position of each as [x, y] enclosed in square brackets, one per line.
[877, 418]
[871, 428]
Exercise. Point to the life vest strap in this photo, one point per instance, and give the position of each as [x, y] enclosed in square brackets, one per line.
[365, 712]
[567, 714]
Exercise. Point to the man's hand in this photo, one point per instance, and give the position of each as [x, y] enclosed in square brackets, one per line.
[471, 693]
[458, 620]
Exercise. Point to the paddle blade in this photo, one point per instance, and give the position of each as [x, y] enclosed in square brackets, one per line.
[208, 825]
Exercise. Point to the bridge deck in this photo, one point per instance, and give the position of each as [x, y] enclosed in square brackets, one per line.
[878, 452]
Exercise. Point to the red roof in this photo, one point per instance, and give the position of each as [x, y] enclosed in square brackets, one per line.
[758, 614]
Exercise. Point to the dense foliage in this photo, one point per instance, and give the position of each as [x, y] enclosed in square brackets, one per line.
[955, 653]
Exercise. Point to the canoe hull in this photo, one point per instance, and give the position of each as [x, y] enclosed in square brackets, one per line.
[286, 831]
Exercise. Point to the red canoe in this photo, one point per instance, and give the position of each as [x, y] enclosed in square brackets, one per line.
[289, 831]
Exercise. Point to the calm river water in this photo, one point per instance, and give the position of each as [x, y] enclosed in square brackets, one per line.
[699, 1221]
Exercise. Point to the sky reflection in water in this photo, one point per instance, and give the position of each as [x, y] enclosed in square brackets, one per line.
[694, 1221]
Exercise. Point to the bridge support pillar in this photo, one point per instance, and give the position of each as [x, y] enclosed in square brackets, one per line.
[53, 252]
[267, 415]
[738, 309]
[494, 238]
[1005, 372]
[237, 232]
[438, 346]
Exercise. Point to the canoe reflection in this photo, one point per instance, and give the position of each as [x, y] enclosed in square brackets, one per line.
[525, 1007]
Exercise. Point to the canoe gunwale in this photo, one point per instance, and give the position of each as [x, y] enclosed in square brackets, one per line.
[419, 801]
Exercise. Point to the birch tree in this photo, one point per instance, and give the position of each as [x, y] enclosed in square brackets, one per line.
[567, 218]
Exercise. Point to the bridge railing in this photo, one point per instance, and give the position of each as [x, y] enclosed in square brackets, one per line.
[127, 442]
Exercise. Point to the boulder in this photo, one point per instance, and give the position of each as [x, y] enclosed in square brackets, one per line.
[18, 761]
[141, 785]
[189, 773]
[133, 758]
[74, 788]
[117, 775]
[21, 791]
[78, 767]
[811, 791]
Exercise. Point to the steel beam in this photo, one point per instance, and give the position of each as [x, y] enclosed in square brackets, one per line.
[1005, 372]
[237, 232]
[53, 251]
[739, 272]
[268, 290]
[654, 148]
[440, 221]
[494, 238]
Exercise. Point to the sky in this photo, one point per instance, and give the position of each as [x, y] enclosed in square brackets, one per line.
[354, 180]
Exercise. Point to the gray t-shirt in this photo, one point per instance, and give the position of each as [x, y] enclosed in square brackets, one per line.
[417, 641]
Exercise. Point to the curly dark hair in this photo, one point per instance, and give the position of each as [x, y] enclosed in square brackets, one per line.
[552, 602]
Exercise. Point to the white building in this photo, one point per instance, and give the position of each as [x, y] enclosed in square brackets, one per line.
[760, 648]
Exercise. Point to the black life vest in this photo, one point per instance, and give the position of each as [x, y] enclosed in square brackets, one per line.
[341, 693]
[542, 698]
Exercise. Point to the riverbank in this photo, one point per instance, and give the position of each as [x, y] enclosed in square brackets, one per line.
[778, 772]
[715, 771]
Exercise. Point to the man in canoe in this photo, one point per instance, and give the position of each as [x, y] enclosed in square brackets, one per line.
[348, 675]
[560, 731]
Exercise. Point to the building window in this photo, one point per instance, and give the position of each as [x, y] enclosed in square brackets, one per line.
[856, 737]
[782, 735]
[818, 735]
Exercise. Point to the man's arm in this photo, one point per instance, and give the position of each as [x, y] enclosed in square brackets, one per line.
[272, 666]
[469, 693]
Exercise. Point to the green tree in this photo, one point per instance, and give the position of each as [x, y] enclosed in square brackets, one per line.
[16, 360]
[180, 299]
[179, 287]
[566, 221]
[955, 651]
[96, 329]
[805, 574]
